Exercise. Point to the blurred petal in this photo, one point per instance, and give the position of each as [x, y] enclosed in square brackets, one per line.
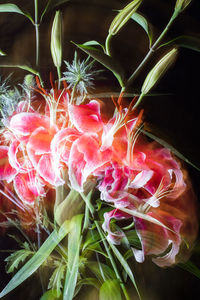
[25, 123]
[86, 117]
[85, 157]
[7, 172]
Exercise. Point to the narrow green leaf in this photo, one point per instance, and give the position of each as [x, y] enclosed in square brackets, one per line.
[125, 265]
[2, 53]
[190, 267]
[23, 67]
[107, 61]
[110, 290]
[138, 18]
[185, 41]
[89, 281]
[13, 8]
[94, 43]
[38, 258]
[170, 147]
[98, 268]
[9, 7]
[74, 241]
[87, 200]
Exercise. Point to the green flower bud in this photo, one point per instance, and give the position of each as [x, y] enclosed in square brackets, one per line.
[158, 71]
[182, 4]
[56, 40]
[123, 16]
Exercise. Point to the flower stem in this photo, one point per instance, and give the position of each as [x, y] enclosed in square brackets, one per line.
[112, 261]
[152, 49]
[59, 76]
[37, 35]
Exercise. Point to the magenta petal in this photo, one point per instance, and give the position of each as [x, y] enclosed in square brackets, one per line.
[85, 157]
[18, 157]
[49, 171]
[7, 172]
[27, 187]
[141, 179]
[86, 117]
[25, 123]
[62, 142]
[114, 237]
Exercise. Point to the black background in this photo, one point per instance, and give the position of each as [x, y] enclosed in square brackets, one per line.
[174, 115]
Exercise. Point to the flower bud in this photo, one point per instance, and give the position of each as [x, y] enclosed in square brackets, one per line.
[158, 71]
[182, 4]
[56, 41]
[123, 16]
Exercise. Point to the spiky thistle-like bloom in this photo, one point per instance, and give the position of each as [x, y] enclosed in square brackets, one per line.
[79, 75]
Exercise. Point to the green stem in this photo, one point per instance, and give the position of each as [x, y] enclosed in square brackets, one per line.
[59, 76]
[112, 261]
[37, 35]
[152, 49]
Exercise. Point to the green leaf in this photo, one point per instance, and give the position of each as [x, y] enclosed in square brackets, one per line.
[87, 200]
[89, 281]
[16, 258]
[107, 61]
[190, 267]
[56, 279]
[170, 147]
[23, 67]
[125, 265]
[2, 53]
[133, 238]
[110, 290]
[9, 7]
[94, 43]
[13, 8]
[38, 258]
[74, 241]
[138, 18]
[92, 237]
[50, 295]
[185, 41]
[101, 270]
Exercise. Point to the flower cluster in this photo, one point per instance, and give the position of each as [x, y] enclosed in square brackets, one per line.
[51, 136]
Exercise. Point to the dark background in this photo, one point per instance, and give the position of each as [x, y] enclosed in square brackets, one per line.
[173, 116]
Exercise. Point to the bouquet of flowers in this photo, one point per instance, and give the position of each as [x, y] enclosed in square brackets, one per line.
[91, 190]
